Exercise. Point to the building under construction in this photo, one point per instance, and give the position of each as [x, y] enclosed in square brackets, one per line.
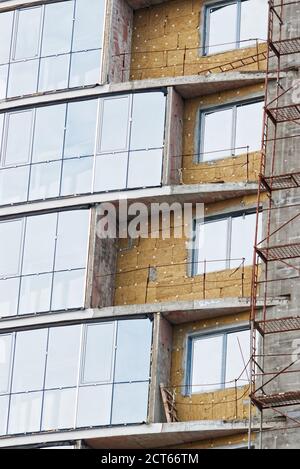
[149, 341]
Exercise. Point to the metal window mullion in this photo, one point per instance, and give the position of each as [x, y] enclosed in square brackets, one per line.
[238, 24]
[195, 254]
[71, 44]
[206, 31]
[21, 261]
[11, 50]
[114, 352]
[83, 335]
[224, 361]
[229, 238]
[201, 136]
[33, 126]
[190, 364]
[12, 364]
[54, 259]
[103, 39]
[63, 147]
[233, 129]
[44, 378]
[39, 58]
[129, 133]
[97, 139]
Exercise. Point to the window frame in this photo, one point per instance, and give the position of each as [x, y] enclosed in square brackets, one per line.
[213, 109]
[214, 218]
[206, 29]
[224, 332]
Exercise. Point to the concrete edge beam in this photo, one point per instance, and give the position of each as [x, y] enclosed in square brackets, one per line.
[134, 436]
[202, 193]
[175, 312]
[187, 86]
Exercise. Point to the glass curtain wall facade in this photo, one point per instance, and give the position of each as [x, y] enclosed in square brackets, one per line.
[75, 376]
[97, 145]
[43, 261]
[51, 47]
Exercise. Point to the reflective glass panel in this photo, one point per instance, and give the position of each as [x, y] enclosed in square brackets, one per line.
[130, 403]
[45, 180]
[10, 247]
[134, 347]
[238, 356]
[28, 33]
[148, 121]
[35, 293]
[54, 73]
[249, 121]
[39, 244]
[63, 357]
[100, 340]
[217, 123]
[207, 359]
[212, 246]
[25, 413]
[59, 409]
[5, 361]
[254, 20]
[6, 21]
[111, 172]
[145, 168]
[17, 150]
[29, 360]
[23, 78]
[49, 133]
[57, 31]
[68, 290]
[85, 68]
[3, 413]
[88, 25]
[14, 184]
[81, 128]
[9, 294]
[72, 240]
[77, 176]
[94, 405]
[114, 128]
[222, 32]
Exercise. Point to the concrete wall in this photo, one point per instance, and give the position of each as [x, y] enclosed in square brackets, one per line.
[174, 138]
[227, 404]
[166, 40]
[120, 32]
[103, 255]
[286, 160]
[156, 269]
[161, 366]
[236, 169]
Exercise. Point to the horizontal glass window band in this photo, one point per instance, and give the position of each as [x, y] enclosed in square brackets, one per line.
[46, 32]
[44, 366]
[56, 72]
[72, 148]
[41, 273]
[77, 176]
[43, 292]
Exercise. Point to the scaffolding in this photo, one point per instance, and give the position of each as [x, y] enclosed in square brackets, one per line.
[281, 114]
